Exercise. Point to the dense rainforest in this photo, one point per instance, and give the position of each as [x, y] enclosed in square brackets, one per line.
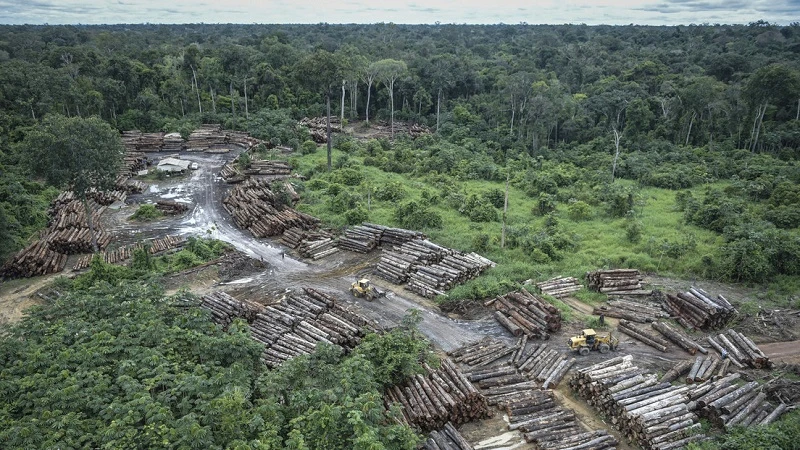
[672, 149]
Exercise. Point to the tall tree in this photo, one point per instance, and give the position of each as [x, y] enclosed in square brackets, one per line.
[369, 75]
[75, 153]
[322, 72]
[389, 71]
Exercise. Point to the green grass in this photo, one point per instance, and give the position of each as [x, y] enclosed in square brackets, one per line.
[601, 240]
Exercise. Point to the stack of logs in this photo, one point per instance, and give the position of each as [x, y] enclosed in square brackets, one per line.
[631, 310]
[298, 323]
[481, 353]
[456, 268]
[416, 130]
[530, 411]
[697, 309]
[679, 338]
[704, 368]
[740, 349]
[173, 142]
[616, 282]
[171, 207]
[559, 287]
[727, 404]
[130, 186]
[256, 208]
[394, 236]
[360, 239]
[440, 396]
[521, 312]
[206, 137]
[231, 174]
[317, 127]
[34, 260]
[446, 439]
[268, 167]
[655, 415]
[550, 427]
[68, 231]
[644, 335]
[314, 244]
[124, 253]
[225, 309]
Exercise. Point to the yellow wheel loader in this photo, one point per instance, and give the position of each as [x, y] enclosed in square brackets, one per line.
[589, 340]
[363, 289]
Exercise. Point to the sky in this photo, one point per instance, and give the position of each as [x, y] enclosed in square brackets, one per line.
[590, 12]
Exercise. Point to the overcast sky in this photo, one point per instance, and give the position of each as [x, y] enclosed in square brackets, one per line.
[591, 12]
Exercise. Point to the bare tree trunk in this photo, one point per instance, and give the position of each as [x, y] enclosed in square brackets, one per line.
[691, 122]
[183, 112]
[369, 91]
[328, 124]
[391, 94]
[505, 211]
[341, 117]
[90, 222]
[617, 138]
[797, 116]
[33, 114]
[213, 100]
[438, 104]
[759, 120]
[196, 88]
[246, 111]
[513, 110]
[233, 107]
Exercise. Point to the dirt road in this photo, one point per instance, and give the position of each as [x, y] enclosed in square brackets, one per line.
[787, 352]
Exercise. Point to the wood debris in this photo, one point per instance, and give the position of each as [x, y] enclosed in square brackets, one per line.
[559, 287]
[360, 238]
[447, 438]
[521, 312]
[697, 309]
[678, 338]
[644, 335]
[171, 207]
[635, 311]
[231, 174]
[318, 128]
[268, 167]
[651, 414]
[727, 404]
[740, 349]
[439, 396]
[616, 282]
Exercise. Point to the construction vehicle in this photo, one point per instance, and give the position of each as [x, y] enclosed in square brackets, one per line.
[363, 289]
[589, 340]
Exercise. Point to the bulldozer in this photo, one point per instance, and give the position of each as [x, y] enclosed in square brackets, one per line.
[363, 289]
[589, 340]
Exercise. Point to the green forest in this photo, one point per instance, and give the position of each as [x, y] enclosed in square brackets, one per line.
[670, 149]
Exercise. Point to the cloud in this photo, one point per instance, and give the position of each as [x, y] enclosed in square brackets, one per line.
[654, 12]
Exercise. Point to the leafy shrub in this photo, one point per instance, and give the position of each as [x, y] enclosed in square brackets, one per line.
[478, 209]
[391, 191]
[146, 213]
[481, 242]
[416, 216]
[716, 212]
[347, 176]
[308, 147]
[578, 210]
[344, 201]
[545, 204]
[356, 215]
[496, 197]
[633, 230]
[619, 199]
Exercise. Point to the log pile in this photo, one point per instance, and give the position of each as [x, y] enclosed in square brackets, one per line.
[231, 174]
[439, 396]
[521, 312]
[481, 353]
[703, 369]
[317, 127]
[544, 365]
[256, 208]
[206, 137]
[133, 162]
[631, 310]
[416, 130]
[447, 438]
[360, 239]
[298, 323]
[76, 240]
[268, 167]
[616, 282]
[173, 142]
[644, 335]
[727, 404]
[130, 186]
[654, 415]
[130, 139]
[395, 266]
[740, 349]
[559, 287]
[317, 248]
[697, 309]
[122, 254]
[171, 207]
[679, 338]
[34, 260]
[456, 268]
[225, 309]
[68, 231]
